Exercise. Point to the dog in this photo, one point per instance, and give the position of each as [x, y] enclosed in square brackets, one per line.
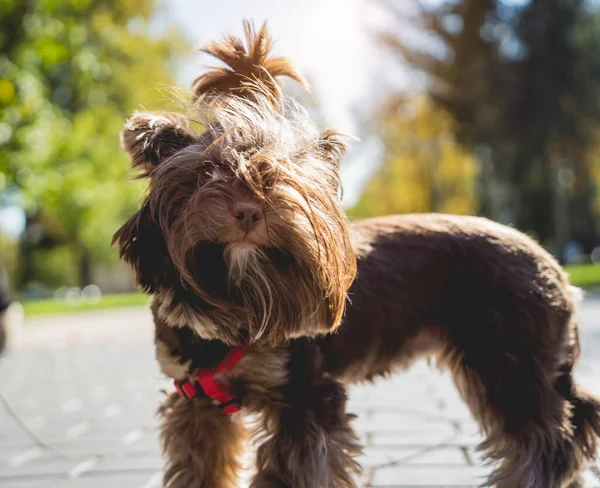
[266, 300]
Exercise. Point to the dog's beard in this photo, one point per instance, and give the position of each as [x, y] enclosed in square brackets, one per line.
[240, 259]
[259, 284]
[249, 283]
[246, 292]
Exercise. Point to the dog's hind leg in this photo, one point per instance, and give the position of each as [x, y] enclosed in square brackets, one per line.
[309, 442]
[517, 381]
[201, 444]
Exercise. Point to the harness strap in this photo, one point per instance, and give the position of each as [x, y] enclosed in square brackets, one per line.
[205, 384]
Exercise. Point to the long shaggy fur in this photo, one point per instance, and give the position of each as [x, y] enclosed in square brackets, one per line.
[203, 444]
[250, 69]
[252, 150]
[483, 300]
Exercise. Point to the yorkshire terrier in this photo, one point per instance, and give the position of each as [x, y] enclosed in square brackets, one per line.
[266, 300]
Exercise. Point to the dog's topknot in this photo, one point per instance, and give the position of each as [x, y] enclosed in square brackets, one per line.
[250, 72]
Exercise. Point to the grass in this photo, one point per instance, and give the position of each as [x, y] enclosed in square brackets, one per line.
[585, 276]
[52, 306]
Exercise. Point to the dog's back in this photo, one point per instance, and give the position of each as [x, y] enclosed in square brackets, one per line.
[495, 308]
[421, 277]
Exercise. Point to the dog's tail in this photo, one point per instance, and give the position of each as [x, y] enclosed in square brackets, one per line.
[585, 407]
[585, 413]
[249, 72]
[586, 421]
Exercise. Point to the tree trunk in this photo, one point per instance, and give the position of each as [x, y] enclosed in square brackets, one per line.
[85, 268]
[560, 187]
[25, 273]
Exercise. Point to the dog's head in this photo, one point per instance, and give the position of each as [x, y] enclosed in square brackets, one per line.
[241, 236]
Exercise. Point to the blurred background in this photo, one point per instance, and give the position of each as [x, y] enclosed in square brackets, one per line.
[485, 107]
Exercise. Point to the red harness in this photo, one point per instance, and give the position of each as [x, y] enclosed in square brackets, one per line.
[205, 384]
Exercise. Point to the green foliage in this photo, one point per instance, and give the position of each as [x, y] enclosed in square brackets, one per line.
[9, 254]
[55, 267]
[70, 73]
[425, 169]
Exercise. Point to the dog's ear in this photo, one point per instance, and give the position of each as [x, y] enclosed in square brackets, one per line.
[332, 147]
[150, 138]
[142, 245]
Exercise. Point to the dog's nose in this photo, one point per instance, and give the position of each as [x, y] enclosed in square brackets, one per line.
[247, 216]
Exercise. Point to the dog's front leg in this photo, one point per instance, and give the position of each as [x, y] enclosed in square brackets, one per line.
[310, 443]
[201, 444]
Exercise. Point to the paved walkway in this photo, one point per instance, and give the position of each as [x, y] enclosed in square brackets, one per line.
[87, 384]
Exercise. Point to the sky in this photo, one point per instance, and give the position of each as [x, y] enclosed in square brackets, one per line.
[329, 41]
[12, 221]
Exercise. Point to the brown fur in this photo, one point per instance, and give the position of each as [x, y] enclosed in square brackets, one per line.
[249, 67]
[149, 140]
[482, 299]
[202, 444]
[493, 306]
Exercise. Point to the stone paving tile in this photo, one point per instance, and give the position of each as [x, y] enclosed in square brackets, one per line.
[419, 476]
[439, 456]
[150, 462]
[89, 387]
[116, 480]
[28, 483]
[423, 438]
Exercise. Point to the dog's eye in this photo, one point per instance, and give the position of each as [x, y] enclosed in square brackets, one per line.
[269, 182]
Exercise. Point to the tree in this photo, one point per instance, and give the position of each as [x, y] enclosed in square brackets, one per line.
[70, 73]
[460, 53]
[424, 169]
[550, 116]
[520, 83]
